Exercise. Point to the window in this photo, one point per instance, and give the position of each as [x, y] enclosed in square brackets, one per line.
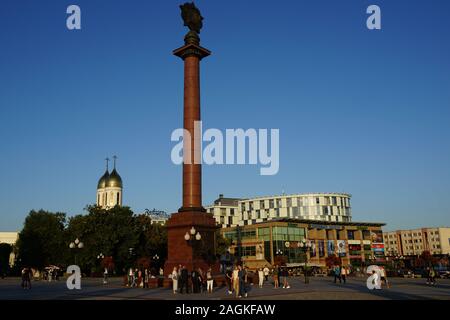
[223, 211]
[351, 235]
[117, 198]
[334, 201]
[249, 251]
[288, 202]
[278, 201]
[271, 205]
[317, 200]
[232, 212]
[261, 204]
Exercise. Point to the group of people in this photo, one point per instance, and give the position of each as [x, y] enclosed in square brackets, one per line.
[200, 280]
[237, 280]
[340, 273]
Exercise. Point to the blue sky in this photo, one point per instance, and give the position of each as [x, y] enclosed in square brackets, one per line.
[360, 111]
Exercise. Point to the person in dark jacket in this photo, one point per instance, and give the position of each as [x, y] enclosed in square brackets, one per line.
[184, 280]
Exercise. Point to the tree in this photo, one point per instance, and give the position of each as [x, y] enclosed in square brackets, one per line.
[5, 251]
[222, 244]
[110, 232]
[426, 259]
[41, 241]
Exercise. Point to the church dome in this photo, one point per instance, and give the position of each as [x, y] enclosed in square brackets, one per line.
[103, 180]
[114, 180]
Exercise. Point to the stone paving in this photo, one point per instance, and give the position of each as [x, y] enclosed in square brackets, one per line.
[318, 288]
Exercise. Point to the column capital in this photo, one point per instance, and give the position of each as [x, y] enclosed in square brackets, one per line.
[191, 50]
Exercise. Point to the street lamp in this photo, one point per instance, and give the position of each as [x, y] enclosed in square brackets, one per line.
[305, 246]
[192, 234]
[76, 244]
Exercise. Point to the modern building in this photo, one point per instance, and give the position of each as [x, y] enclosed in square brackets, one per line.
[355, 243]
[110, 188]
[11, 239]
[413, 242]
[332, 207]
[157, 216]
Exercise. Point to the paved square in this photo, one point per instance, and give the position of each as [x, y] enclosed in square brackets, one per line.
[318, 288]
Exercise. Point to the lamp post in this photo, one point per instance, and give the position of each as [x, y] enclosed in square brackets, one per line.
[305, 246]
[76, 244]
[192, 234]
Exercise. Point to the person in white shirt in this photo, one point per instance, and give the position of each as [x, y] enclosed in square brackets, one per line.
[261, 277]
[266, 273]
[209, 281]
[174, 280]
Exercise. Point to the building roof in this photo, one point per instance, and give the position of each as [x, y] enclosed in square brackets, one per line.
[319, 222]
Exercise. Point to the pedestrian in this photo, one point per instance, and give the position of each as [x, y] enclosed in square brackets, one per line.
[145, 278]
[276, 272]
[337, 274]
[266, 273]
[241, 277]
[432, 276]
[130, 277]
[184, 280]
[105, 276]
[26, 283]
[229, 279]
[175, 280]
[261, 277]
[344, 274]
[134, 278]
[194, 280]
[139, 282]
[209, 280]
[281, 276]
[286, 279]
[236, 281]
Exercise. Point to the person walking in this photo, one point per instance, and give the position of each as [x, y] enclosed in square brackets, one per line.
[26, 283]
[229, 279]
[344, 274]
[209, 280]
[286, 279]
[337, 274]
[175, 280]
[266, 273]
[261, 277]
[276, 272]
[241, 277]
[281, 276]
[236, 281]
[105, 276]
[140, 283]
[432, 276]
[184, 280]
[145, 278]
[130, 277]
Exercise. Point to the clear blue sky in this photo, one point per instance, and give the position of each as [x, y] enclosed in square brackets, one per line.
[365, 112]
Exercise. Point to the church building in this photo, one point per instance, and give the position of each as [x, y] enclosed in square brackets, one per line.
[109, 188]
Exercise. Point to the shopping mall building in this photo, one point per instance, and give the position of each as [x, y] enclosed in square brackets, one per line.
[260, 244]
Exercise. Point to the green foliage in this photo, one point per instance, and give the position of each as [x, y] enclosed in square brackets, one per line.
[222, 244]
[41, 242]
[45, 239]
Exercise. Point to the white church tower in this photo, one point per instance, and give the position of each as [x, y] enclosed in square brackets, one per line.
[109, 188]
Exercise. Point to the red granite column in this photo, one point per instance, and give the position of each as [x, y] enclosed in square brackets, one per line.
[192, 170]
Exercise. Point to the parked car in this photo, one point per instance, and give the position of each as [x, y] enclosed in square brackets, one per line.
[445, 274]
